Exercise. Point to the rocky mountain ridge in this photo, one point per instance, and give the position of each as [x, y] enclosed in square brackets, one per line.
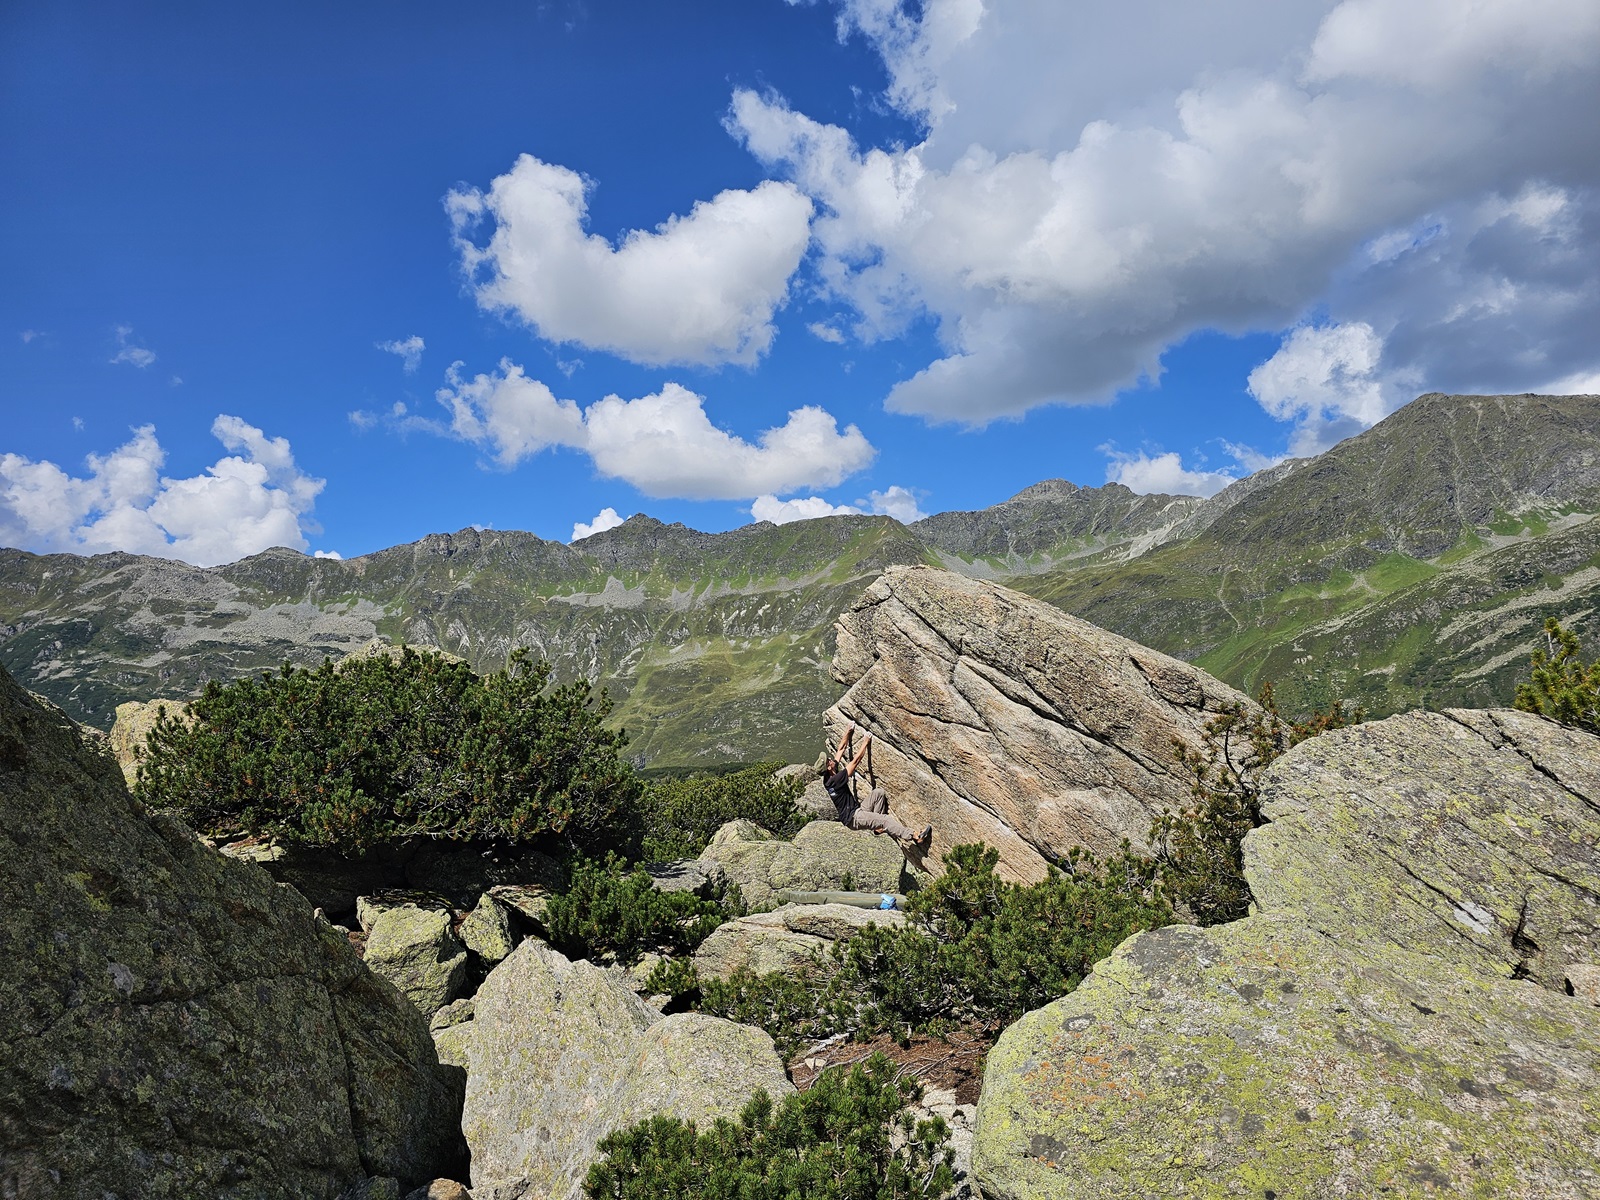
[1412, 564]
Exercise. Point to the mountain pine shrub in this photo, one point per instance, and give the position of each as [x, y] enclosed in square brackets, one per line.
[680, 815]
[1560, 686]
[613, 912]
[975, 949]
[382, 748]
[848, 1137]
[1200, 850]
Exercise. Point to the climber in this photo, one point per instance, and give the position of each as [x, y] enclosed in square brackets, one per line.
[872, 813]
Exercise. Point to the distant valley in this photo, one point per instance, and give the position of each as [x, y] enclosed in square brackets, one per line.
[1409, 566]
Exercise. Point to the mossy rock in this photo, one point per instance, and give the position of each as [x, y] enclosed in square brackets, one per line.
[1393, 1021]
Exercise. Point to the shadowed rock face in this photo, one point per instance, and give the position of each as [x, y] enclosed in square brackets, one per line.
[1394, 1019]
[174, 1022]
[1000, 719]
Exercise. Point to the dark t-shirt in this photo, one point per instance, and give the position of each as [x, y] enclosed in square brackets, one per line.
[838, 786]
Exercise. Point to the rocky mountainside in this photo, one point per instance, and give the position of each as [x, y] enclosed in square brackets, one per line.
[715, 645]
[1410, 565]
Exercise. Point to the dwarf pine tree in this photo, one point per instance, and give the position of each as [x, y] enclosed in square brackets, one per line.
[379, 748]
[1560, 685]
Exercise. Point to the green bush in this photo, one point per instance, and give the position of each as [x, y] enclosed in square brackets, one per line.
[611, 911]
[382, 748]
[846, 1138]
[1200, 850]
[680, 815]
[1560, 686]
[974, 950]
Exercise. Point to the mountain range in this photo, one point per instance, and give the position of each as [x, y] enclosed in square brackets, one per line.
[1409, 566]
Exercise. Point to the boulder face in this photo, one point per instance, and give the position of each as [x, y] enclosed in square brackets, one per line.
[561, 1053]
[1395, 1017]
[823, 856]
[997, 718]
[785, 939]
[175, 1018]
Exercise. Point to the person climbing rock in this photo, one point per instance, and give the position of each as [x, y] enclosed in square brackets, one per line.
[872, 813]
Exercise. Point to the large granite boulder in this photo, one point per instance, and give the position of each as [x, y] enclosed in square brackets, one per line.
[998, 718]
[415, 949]
[563, 1052]
[824, 856]
[1394, 1019]
[785, 939]
[176, 1023]
[132, 726]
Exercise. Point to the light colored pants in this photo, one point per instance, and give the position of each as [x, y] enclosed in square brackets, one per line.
[873, 813]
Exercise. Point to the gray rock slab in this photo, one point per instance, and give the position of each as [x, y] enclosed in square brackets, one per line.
[1393, 1020]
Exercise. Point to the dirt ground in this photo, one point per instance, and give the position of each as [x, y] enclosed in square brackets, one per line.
[954, 1062]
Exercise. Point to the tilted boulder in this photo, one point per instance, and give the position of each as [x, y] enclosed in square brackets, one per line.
[488, 931]
[563, 1052]
[1000, 719]
[176, 1022]
[416, 950]
[1394, 1019]
[824, 856]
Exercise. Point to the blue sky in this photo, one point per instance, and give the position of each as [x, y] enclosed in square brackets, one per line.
[338, 276]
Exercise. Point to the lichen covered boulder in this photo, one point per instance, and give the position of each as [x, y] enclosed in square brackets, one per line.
[415, 949]
[1394, 1020]
[175, 1021]
[824, 856]
[784, 939]
[561, 1053]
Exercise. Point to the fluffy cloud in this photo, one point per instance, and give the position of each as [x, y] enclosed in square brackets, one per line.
[801, 508]
[700, 288]
[409, 350]
[1163, 473]
[606, 518]
[1096, 184]
[127, 351]
[664, 444]
[896, 502]
[244, 503]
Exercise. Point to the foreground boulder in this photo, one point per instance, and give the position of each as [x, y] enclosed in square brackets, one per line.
[824, 856]
[562, 1053]
[174, 1022]
[1394, 1020]
[998, 718]
[785, 939]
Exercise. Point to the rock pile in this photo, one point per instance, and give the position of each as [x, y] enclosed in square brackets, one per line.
[1396, 1017]
[1000, 719]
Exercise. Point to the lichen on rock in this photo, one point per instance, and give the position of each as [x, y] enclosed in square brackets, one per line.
[1393, 1020]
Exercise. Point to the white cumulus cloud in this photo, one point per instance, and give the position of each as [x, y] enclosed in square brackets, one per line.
[700, 288]
[664, 443]
[606, 518]
[800, 508]
[242, 504]
[409, 351]
[895, 501]
[1096, 183]
[1163, 473]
